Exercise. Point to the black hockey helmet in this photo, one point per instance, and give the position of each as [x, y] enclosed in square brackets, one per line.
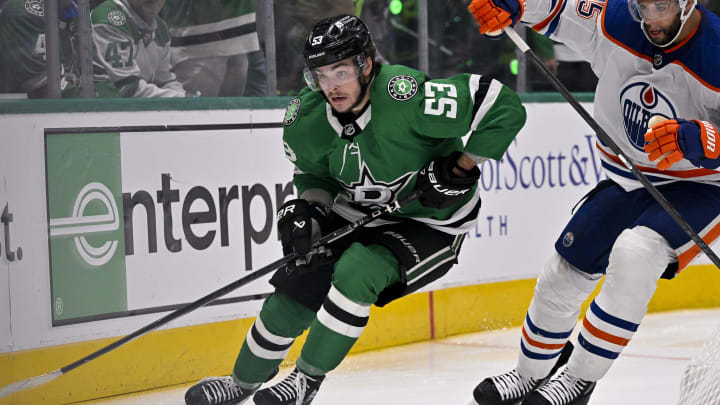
[334, 39]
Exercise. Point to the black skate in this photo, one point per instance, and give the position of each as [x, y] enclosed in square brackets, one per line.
[297, 388]
[562, 390]
[511, 388]
[217, 391]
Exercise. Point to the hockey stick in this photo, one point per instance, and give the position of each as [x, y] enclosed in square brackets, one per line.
[331, 237]
[524, 48]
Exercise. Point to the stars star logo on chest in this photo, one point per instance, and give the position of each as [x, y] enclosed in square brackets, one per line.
[373, 193]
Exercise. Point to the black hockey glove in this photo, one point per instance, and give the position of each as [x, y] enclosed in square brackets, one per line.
[299, 225]
[441, 187]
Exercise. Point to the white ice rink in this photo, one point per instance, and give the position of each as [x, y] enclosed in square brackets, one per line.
[445, 371]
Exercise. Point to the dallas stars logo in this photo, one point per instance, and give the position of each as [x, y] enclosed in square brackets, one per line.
[402, 88]
[374, 193]
[292, 111]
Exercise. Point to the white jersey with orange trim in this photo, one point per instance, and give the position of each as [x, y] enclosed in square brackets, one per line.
[638, 80]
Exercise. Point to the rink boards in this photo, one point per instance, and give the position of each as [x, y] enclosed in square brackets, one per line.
[115, 214]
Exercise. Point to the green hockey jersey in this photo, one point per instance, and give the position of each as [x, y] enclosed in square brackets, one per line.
[22, 47]
[211, 28]
[411, 120]
[133, 54]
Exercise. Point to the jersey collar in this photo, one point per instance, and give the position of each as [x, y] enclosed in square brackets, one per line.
[346, 125]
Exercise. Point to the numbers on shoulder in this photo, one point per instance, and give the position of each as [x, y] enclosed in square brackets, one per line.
[441, 99]
[590, 8]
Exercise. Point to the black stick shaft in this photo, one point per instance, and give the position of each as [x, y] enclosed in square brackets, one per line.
[333, 236]
[612, 145]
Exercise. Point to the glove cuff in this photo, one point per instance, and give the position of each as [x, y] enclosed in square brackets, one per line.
[709, 139]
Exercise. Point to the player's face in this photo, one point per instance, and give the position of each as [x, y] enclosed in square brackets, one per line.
[147, 9]
[340, 83]
[661, 19]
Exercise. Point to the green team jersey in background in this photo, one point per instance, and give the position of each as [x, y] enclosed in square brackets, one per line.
[409, 121]
[133, 54]
[211, 28]
[22, 48]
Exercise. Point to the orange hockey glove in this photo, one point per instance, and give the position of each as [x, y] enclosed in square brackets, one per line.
[494, 15]
[673, 140]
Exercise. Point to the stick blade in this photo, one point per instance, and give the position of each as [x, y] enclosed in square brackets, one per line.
[29, 383]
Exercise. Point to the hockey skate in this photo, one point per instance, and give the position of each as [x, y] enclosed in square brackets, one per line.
[511, 388]
[565, 389]
[217, 391]
[297, 388]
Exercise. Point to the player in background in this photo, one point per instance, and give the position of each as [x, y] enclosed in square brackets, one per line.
[653, 58]
[22, 48]
[132, 49]
[361, 135]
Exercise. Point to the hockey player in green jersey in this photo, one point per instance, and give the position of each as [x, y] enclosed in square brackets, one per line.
[362, 135]
[215, 47]
[22, 47]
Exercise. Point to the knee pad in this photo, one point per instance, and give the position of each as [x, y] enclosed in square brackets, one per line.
[364, 271]
[560, 290]
[638, 258]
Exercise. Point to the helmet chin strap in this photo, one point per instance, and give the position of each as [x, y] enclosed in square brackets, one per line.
[364, 85]
[683, 20]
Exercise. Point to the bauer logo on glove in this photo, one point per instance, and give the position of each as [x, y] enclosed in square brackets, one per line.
[442, 188]
[293, 219]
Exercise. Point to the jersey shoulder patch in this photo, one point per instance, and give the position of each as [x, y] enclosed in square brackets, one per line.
[35, 8]
[399, 82]
[291, 112]
[305, 114]
[24, 8]
[402, 87]
[108, 13]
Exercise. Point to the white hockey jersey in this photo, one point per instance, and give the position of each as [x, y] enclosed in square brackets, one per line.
[638, 80]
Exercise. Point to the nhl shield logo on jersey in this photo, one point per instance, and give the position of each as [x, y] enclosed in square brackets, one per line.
[402, 87]
[292, 111]
[640, 101]
[349, 130]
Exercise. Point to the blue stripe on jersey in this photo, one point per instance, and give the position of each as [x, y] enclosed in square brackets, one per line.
[541, 332]
[605, 317]
[629, 175]
[597, 350]
[701, 54]
[554, 23]
[537, 356]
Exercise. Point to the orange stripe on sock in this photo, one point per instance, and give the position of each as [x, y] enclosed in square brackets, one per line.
[604, 335]
[541, 345]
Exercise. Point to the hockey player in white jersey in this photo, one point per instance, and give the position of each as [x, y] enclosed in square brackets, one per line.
[653, 58]
[132, 49]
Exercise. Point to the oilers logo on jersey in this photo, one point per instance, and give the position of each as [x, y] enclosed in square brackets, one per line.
[640, 101]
